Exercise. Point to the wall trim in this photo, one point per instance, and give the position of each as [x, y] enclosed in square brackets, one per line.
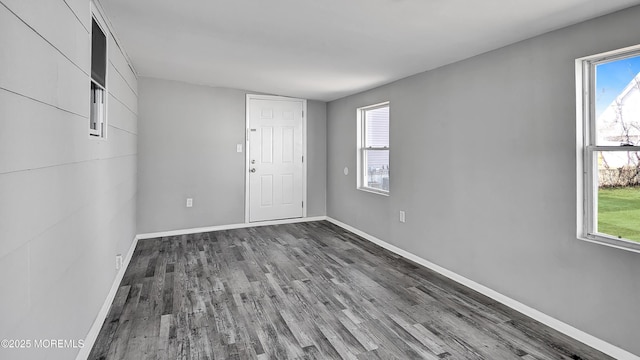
[228, 227]
[553, 323]
[94, 331]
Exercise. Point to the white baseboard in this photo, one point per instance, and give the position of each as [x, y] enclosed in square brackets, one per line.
[228, 227]
[553, 323]
[90, 340]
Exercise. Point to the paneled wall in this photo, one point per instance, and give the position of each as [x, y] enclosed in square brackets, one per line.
[67, 201]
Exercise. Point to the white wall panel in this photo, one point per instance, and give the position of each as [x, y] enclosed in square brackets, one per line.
[121, 90]
[52, 253]
[32, 67]
[81, 10]
[118, 60]
[121, 117]
[72, 90]
[14, 277]
[68, 319]
[119, 143]
[60, 242]
[67, 200]
[57, 23]
[34, 201]
[34, 135]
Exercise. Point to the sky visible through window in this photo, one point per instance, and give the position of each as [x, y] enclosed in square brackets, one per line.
[612, 78]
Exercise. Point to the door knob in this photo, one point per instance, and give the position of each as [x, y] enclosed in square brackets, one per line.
[253, 170]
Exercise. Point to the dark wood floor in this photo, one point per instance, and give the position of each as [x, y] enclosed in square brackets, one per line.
[307, 291]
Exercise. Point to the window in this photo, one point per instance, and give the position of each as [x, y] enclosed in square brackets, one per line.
[609, 148]
[373, 148]
[97, 116]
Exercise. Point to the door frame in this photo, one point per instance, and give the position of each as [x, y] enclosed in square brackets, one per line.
[247, 204]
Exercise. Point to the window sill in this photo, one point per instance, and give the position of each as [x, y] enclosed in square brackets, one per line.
[374, 191]
[97, 138]
[612, 242]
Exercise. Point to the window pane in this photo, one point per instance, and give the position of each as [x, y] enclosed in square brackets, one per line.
[377, 169]
[377, 127]
[618, 194]
[98, 54]
[617, 93]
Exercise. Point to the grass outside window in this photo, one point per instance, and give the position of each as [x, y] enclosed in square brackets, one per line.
[619, 212]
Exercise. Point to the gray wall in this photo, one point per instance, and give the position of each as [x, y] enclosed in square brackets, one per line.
[187, 148]
[67, 202]
[317, 155]
[483, 162]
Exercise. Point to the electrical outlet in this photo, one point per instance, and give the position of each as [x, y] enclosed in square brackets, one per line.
[402, 216]
[118, 262]
[189, 202]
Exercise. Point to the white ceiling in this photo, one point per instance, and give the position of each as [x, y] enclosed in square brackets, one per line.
[326, 49]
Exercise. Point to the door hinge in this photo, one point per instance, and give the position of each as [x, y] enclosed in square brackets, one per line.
[302, 113]
[303, 159]
[303, 204]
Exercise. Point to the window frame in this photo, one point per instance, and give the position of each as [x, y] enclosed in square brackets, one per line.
[99, 134]
[362, 148]
[587, 168]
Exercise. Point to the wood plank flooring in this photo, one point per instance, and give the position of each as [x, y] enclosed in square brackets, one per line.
[307, 291]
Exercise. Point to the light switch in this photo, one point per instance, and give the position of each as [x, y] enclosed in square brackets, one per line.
[239, 148]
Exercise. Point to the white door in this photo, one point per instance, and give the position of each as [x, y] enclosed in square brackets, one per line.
[275, 158]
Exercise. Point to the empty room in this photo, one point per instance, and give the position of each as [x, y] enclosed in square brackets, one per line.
[356, 179]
